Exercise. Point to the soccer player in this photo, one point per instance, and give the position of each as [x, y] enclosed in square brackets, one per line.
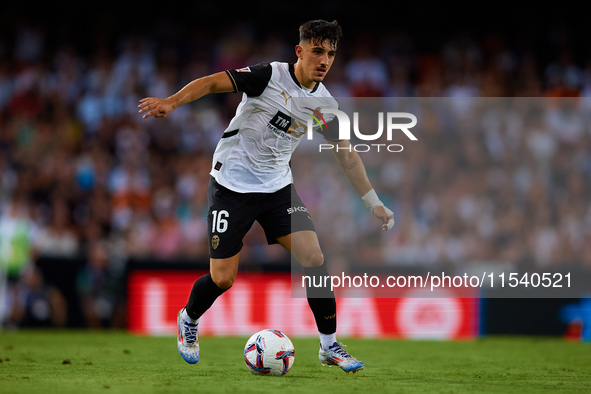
[251, 180]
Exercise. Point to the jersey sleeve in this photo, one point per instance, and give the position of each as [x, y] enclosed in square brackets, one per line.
[251, 80]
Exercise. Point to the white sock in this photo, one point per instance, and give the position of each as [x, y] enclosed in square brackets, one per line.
[185, 316]
[327, 340]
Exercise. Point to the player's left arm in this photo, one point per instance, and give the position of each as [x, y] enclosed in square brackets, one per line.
[354, 170]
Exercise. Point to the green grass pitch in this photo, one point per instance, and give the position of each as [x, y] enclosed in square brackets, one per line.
[116, 362]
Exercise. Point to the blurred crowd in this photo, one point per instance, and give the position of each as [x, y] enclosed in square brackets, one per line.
[83, 175]
[495, 182]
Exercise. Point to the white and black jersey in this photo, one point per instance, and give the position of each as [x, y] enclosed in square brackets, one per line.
[254, 152]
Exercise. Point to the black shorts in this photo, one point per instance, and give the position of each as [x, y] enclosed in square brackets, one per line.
[231, 215]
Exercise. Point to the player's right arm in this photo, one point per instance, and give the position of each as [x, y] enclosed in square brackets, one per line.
[160, 108]
[354, 170]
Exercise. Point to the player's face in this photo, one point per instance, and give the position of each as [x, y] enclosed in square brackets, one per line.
[315, 59]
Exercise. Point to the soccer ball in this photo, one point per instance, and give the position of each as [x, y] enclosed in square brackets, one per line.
[269, 352]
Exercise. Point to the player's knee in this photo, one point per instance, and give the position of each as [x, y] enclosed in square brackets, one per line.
[313, 259]
[223, 281]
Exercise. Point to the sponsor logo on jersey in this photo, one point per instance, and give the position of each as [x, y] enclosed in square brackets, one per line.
[280, 126]
[281, 121]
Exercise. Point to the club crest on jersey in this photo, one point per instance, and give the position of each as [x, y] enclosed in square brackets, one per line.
[243, 70]
[215, 241]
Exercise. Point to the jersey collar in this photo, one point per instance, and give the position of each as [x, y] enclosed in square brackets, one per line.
[293, 76]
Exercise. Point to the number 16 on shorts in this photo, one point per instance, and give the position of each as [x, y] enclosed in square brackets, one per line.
[219, 223]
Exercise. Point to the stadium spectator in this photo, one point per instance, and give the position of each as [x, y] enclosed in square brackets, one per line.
[100, 290]
[33, 303]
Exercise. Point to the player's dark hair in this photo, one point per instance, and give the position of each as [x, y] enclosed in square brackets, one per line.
[318, 30]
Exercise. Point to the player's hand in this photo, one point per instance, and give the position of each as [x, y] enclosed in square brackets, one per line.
[385, 215]
[371, 201]
[156, 107]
